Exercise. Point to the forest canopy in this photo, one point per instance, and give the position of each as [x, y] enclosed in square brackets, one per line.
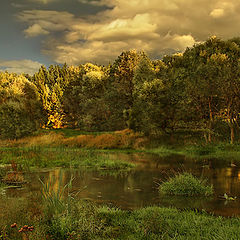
[197, 90]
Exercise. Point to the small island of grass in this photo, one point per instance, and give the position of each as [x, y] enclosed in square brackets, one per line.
[185, 184]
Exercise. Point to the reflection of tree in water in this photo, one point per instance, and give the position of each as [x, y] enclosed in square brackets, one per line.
[56, 179]
[227, 180]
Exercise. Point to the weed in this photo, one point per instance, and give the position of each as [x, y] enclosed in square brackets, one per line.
[25, 230]
[13, 177]
[228, 198]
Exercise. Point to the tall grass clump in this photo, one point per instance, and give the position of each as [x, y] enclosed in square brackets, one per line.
[66, 218]
[185, 184]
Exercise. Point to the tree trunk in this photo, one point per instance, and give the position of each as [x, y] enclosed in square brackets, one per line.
[205, 137]
[210, 121]
[232, 133]
[210, 133]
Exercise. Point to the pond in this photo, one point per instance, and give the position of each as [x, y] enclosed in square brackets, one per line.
[138, 187]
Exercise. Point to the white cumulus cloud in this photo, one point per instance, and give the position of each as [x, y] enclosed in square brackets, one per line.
[35, 30]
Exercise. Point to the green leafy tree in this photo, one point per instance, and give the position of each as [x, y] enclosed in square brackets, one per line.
[20, 109]
[212, 83]
[120, 94]
[203, 79]
[51, 84]
[229, 66]
[84, 101]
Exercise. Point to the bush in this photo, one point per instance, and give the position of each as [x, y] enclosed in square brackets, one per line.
[185, 184]
[15, 121]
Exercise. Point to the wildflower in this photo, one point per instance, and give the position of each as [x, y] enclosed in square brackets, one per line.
[13, 225]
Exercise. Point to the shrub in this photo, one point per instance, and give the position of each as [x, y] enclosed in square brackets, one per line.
[15, 121]
[185, 184]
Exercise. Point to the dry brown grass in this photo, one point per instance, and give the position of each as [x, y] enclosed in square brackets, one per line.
[13, 177]
[116, 140]
[78, 141]
[50, 139]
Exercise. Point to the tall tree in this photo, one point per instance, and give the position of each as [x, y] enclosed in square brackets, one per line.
[84, 99]
[203, 80]
[51, 84]
[120, 91]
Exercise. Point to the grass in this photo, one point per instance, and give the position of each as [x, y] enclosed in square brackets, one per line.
[125, 139]
[185, 184]
[189, 145]
[42, 157]
[84, 220]
[68, 132]
[221, 151]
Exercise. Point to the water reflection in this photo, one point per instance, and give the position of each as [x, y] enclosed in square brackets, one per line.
[137, 188]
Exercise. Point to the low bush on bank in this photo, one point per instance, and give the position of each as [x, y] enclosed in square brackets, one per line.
[185, 184]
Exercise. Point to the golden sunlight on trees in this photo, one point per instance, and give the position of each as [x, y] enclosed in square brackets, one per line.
[198, 90]
[20, 109]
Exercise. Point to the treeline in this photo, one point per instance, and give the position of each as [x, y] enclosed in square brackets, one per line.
[197, 90]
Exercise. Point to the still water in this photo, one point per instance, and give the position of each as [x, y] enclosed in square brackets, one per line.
[138, 187]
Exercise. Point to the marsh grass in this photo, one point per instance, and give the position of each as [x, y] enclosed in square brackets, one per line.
[185, 184]
[221, 151]
[43, 157]
[65, 217]
[53, 198]
[145, 224]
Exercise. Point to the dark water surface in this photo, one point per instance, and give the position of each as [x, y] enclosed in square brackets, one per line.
[138, 187]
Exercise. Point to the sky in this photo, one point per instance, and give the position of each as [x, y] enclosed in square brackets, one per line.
[44, 32]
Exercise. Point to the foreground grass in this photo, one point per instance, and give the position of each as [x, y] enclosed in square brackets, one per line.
[84, 220]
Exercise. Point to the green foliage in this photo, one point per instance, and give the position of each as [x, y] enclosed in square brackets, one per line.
[120, 94]
[51, 84]
[194, 90]
[20, 109]
[84, 99]
[185, 184]
[212, 83]
[15, 122]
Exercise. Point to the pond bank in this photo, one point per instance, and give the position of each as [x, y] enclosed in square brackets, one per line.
[121, 141]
